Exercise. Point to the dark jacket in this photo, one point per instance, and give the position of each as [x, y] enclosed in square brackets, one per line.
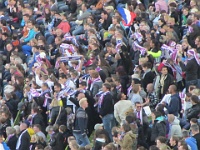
[81, 121]
[12, 142]
[193, 35]
[96, 87]
[11, 104]
[191, 70]
[107, 106]
[62, 119]
[25, 141]
[168, 81]
[197, 137]
[148, 78]
[174, 105]
[38, 119]
[57, 141]
[193, 112]
[158, 129]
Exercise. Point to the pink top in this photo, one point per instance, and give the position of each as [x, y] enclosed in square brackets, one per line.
[161, 5]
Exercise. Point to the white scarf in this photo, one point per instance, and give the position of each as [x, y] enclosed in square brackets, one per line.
[94, 81]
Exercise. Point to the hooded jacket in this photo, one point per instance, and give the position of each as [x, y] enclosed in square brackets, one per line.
[175, 129]
[127, 142]
[158, 128]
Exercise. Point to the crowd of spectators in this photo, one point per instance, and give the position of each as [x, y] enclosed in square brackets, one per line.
[99, 74]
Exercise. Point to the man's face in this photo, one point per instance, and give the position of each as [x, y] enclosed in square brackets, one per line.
[85, 104]
[197, 41]
[57, 89]
[170, 89]
[164, 71]
[138, 107]
[104, 89]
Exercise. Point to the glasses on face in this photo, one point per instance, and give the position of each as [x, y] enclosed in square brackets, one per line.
[138, 106]
[27, 81]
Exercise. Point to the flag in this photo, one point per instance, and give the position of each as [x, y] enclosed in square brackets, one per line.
[127, 16]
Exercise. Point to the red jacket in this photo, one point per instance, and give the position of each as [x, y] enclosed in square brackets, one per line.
[64, 26]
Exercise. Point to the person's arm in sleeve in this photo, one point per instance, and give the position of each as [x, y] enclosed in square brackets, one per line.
[116, 114]
[31, 35]
[154, 54]
[172, 107]
[38, 81]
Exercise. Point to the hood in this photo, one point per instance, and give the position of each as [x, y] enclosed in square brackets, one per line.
[161, 118]
[130, 133]
[175, 122]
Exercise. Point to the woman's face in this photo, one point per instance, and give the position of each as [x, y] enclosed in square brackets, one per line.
[89, 20]
[47, 11]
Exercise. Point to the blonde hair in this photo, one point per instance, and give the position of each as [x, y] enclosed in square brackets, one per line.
[82, 100]
[196, 92]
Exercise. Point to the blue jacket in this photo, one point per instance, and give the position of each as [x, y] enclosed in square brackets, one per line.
[5, 146]
[31, 35]
[174, 105]
[192, 143]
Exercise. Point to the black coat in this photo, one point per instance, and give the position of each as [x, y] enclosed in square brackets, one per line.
[11, 104]
[62, 118]
[38, 119]
[107, 106]
[148, 78]
[25, 141]
[168, 81]
[191, 70]
[12, 142]
[197, 137]
[57, 141]
[158, 129]
[193, 112]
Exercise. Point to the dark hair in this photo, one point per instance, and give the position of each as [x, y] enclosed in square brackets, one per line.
[162, 139]
[63, 76]
[195, 99]
[126, 127]
[107, 85]
[157, 114]
[57, 84]
[147, 65]
[121, 71]
[3, 22]
[194, 120]
[38, 126]
[130, 119]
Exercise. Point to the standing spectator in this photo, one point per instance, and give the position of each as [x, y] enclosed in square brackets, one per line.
[166, 80]
[175, 128]
[191, 69]
[106, 108]
[174, 105]
[121, 107]
[148, 75]
[159, 126]
[191, 141]
[11, 138]
[196, 134]
[126, 139]
[23, 142]
[81, 121]
[3, 145]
